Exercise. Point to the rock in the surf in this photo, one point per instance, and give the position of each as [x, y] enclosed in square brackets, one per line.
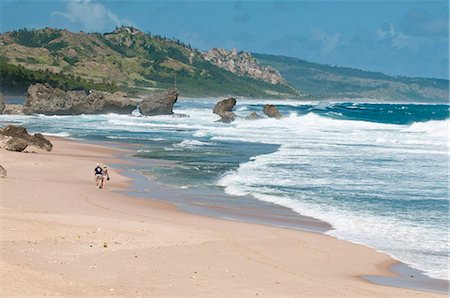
[13, 109]
[99, 102]
[159, 103]
[254, 116]
[271, 111]
[224, 109]
[44, 99]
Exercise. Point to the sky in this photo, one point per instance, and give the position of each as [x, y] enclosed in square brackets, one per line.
[409, 38]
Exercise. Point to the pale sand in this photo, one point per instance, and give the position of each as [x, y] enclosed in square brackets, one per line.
[55, 222]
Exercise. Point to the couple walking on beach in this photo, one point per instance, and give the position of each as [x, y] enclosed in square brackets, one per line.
[101, 176]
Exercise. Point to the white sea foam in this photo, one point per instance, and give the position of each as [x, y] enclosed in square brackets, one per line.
[324, 105]
[321, 157]
[57, 134]
[193, 144]
[134, 138]
[431, 128]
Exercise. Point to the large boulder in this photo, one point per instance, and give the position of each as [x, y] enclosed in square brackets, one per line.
[15, 138]
[98, 102]
[271, 111]
[2, 103]
[159, 103]
[224, 109]
[44, 99]
[39, 141]
[13, 144]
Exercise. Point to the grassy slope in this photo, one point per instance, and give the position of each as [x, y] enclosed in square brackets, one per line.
[129, 59]
[326, 81]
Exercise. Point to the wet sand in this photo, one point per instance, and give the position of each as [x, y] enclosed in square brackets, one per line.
[61, 236]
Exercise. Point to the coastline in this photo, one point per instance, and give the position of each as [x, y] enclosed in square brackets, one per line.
[54, 229]
[273, 215]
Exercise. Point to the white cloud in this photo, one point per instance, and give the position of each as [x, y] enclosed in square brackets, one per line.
[328, 42]
[90, 16]
[397, 39]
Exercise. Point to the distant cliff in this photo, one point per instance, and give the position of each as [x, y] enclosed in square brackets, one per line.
[242, 63]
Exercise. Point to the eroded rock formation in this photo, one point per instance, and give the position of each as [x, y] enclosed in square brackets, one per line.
[224, 109]
[160, 103]
[242, 63]
[254, 116]
[44, 99]
[271, 111]
[17, 138]
[13, 109]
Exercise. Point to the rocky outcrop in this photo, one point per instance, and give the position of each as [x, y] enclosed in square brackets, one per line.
[13, 109]
[224, 109]
[271, 111]
[44, 99]
[16, 138]
[3, 172]
[2, 103]
[39, 141]
[13, 144]
[159, 103]
[254, 116]
[242, 63]
[98, 102]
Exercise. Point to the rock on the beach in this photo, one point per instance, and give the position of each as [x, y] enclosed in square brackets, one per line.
[38, 140]
[254, 116]
[3, 172]
[224, 109]
[13, 144]
[16, 137]
[159, 103]
[2, 103]
[44, 99]
[271, 111]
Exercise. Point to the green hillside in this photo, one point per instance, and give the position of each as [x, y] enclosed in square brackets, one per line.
[127, 58]
[334, 82]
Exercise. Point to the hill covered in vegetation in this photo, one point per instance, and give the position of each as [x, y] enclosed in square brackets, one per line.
[126, 59]
[334, 82]
[130, 60]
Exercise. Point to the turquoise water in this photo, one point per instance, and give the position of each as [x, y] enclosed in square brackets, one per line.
[377, 172]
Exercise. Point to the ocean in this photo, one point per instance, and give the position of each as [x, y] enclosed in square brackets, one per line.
[377, 172]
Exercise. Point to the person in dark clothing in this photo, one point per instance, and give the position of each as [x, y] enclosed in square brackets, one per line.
[98, 172]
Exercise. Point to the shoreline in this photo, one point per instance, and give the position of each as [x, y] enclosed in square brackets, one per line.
[255, 253]
[407, 276]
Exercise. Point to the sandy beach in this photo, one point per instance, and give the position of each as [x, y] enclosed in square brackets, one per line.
[63, 237]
